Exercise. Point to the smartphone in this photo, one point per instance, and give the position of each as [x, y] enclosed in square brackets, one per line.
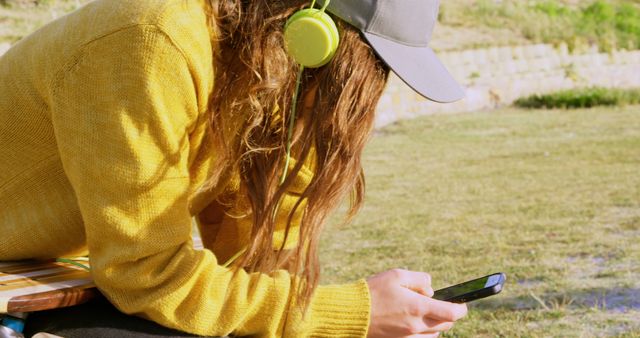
[473, 289]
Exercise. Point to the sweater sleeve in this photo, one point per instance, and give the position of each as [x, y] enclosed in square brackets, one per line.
[122, 111]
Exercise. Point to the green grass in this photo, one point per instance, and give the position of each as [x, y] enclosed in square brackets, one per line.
[19, 18]
[582, 98]
[609, 24]
[552, 198]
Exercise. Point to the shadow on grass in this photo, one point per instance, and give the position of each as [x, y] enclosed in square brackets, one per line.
[612, 299]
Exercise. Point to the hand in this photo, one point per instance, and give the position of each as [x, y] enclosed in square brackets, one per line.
[401, 306]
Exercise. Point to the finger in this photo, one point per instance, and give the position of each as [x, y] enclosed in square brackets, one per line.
[444, 311]
[430, 326]
[423, 335]
[429, 292]
[419, 282]
[435, 326]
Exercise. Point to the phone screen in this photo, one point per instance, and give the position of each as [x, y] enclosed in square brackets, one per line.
[472, 289]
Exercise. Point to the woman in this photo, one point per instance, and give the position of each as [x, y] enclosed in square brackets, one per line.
[122, 121]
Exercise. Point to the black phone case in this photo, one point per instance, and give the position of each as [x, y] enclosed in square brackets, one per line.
[478, 294]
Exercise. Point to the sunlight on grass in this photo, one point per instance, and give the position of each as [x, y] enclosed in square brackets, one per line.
[19, 18]
[552, 198]
[611, 24]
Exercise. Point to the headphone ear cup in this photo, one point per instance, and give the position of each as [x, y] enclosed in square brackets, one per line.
[311, 37]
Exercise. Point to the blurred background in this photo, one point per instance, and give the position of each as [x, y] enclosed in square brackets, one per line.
[535, 173]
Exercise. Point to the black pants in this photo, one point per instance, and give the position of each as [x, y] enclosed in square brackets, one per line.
[97, 319]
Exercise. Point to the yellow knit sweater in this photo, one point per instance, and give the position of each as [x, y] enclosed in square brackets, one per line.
[103, 148]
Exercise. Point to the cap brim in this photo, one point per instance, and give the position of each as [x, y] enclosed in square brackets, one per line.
[419, 68]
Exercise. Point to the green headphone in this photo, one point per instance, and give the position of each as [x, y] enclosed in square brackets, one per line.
[311, 36]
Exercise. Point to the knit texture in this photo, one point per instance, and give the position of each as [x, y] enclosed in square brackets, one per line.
[102, 151]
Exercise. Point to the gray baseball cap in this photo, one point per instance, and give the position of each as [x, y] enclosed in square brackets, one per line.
[399, 31]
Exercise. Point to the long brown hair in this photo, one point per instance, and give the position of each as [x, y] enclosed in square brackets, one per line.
[255, 81]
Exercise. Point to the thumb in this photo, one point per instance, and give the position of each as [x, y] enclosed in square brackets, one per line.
[419, 282]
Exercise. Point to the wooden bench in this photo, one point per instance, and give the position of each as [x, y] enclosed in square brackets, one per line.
[28, 286]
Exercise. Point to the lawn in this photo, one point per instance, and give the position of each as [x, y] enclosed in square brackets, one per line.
[21, 17]
[610, 24]
[550, 197]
